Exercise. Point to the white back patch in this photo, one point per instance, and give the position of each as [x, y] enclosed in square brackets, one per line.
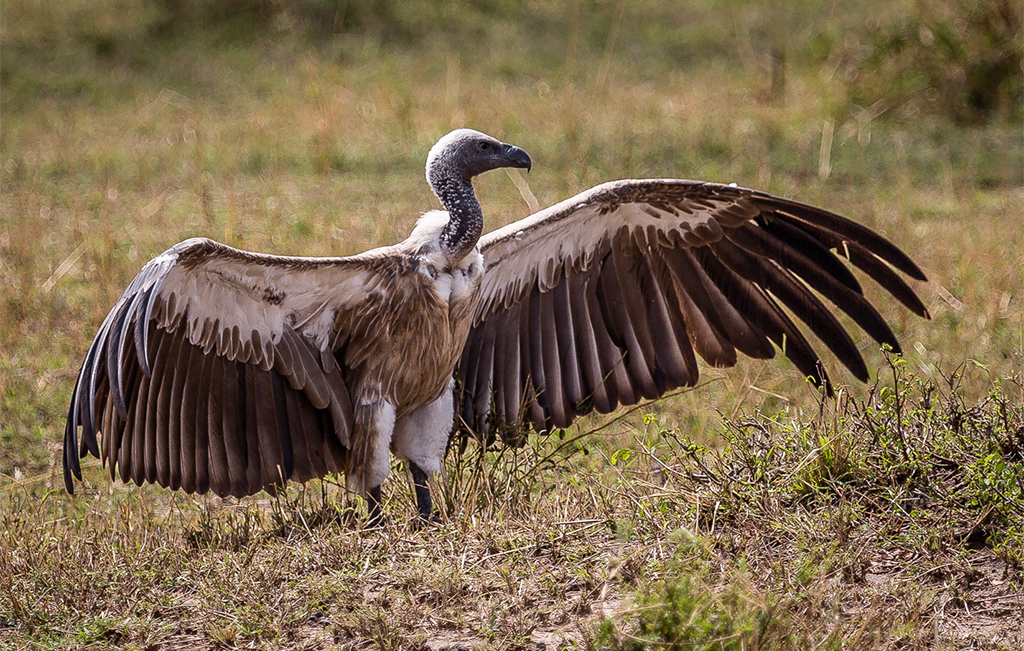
[427, 233]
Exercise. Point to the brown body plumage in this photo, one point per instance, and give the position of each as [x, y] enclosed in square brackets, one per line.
[234, 372]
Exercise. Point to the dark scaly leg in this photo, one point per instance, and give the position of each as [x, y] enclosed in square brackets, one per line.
[374, 516]
[422, 489]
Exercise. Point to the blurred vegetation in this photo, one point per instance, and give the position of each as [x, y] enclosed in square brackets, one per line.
[952, 58]
[957, 58]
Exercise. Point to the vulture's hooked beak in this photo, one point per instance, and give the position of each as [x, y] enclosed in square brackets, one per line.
[516, 157]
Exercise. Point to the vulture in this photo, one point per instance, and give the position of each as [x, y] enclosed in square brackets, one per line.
[229, 371]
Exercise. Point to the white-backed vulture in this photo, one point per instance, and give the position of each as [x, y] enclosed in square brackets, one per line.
[224, 370]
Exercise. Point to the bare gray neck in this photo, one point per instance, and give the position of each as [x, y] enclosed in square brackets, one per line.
[466, 219]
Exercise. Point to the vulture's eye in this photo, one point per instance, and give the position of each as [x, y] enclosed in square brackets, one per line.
[484, 146]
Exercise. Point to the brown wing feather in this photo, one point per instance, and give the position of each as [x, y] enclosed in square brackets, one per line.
[614, 290]
[178, 391]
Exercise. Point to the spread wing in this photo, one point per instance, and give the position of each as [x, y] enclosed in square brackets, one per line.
[214, 371]
[606, 298]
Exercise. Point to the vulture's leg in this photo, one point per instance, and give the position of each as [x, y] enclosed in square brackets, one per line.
[421, 437]
[374, 513]
[421, 487]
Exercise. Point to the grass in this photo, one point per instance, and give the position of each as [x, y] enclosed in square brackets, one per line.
[744, 513]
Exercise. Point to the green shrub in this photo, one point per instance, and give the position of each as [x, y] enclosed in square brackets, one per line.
[958, 58]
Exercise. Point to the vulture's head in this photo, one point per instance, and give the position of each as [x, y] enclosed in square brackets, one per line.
[464, 153]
